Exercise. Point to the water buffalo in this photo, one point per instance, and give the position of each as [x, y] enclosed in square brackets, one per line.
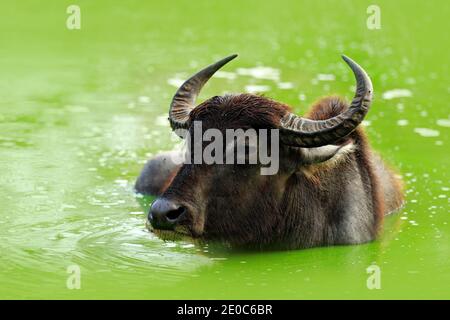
[330, 188]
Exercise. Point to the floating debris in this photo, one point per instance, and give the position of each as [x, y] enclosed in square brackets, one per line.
[325, 77]
[397, 93]
[425, 132]
[285, 85]
[402, 122]
[121, 182]
[252, 88]
[136, 212]
[266, 73]
[443, 122]
[225, 75]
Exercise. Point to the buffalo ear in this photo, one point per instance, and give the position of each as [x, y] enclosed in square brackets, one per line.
[318, 155]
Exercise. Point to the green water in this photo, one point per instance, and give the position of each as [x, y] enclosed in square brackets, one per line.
[81, 111]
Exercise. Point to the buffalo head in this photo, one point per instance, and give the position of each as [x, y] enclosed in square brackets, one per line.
[237, 204]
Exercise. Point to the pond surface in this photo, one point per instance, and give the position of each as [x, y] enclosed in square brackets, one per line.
[82, 110]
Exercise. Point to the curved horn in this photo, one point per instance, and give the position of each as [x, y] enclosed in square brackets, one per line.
[184, 99]
[300, 132]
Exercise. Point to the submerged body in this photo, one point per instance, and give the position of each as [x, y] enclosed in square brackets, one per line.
[330, 189]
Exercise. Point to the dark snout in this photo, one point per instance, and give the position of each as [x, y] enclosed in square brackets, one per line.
[165, 214]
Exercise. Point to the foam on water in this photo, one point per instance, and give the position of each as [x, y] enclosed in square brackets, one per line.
[225, 75]
[425, 132]
[402, 122]
[285, 85]
[443, 122]
[325, 77]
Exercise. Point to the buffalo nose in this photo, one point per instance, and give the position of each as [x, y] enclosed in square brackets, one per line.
[164, 214]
